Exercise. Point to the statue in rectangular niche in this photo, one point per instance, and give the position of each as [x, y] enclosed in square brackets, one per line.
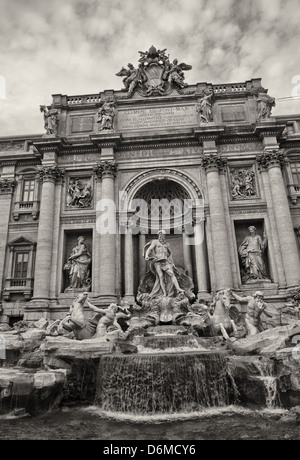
[79, 193]
[78, 267]
[251, 253]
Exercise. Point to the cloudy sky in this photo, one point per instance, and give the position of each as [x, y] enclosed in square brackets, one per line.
[76, 47]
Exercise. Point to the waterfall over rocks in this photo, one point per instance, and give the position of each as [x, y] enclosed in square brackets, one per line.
[164, 383]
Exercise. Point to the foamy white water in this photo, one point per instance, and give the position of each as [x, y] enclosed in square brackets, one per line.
[159, 418]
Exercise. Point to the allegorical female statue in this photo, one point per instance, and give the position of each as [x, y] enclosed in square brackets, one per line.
[251, 252]
[78, 265]
[204, 107]
[50, 119]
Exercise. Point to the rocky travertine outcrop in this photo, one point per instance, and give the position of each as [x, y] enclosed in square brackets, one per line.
[31, 392]
[287, 370]
[267, 342]
[80, 359]
[265, 368]
[17, 343]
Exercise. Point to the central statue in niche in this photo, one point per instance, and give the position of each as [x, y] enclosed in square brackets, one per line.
[162, 266]
[165, 291]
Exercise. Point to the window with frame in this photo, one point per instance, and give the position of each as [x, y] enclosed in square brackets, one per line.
[21, 264]
[28, 190]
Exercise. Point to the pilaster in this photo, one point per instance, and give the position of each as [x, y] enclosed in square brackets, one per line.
[273, 161]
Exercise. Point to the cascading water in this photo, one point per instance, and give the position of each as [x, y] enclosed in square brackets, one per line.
[266, 371]
[168, 343]
[163, 383]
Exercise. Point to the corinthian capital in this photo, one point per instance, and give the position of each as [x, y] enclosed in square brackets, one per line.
[7, 186]
[106, 168]
[50, 173]
[272, 158]
[213, 162]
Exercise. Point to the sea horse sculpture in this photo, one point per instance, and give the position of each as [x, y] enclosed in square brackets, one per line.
[105, 321]
[220, 322]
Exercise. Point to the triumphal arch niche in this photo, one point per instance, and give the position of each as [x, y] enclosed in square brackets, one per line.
[215, 149]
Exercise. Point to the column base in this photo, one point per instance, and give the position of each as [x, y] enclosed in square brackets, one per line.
[106, 299]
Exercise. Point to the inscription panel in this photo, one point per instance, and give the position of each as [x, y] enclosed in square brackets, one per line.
[241, 147]
[233, 113]
[160, 153]
[80, 158]
[158, 117]
[82, 124]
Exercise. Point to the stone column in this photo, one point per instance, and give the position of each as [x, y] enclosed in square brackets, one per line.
[230, 231]
[142, 261]
[106, 171]
[187, 256]
[212, 164]
[43, 267]
[273, 161]
[97, 237]
[7, 186]
[129, 295]
[297, 231]
[275, 253]
[56, 236]
[201, 262]
[10, 262]
[30, 262]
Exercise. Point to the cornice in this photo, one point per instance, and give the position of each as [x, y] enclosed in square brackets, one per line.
[102, 141]
[49, 144]
[263, 130]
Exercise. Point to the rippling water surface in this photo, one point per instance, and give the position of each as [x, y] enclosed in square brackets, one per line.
[212, 424]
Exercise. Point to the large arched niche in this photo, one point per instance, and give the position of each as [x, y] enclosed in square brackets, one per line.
[189, 187]
[162, 184]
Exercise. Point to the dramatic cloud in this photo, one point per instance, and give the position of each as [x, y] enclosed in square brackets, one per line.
[76, 47]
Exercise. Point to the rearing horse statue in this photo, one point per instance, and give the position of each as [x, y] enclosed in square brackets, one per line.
[221, 319]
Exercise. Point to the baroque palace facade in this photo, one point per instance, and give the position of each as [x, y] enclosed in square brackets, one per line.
[157, 138]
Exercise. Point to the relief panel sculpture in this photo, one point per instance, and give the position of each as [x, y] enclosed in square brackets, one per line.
[242, 183]
[80, 193]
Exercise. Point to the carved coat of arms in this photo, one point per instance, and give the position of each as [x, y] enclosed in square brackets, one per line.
[155, 74]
